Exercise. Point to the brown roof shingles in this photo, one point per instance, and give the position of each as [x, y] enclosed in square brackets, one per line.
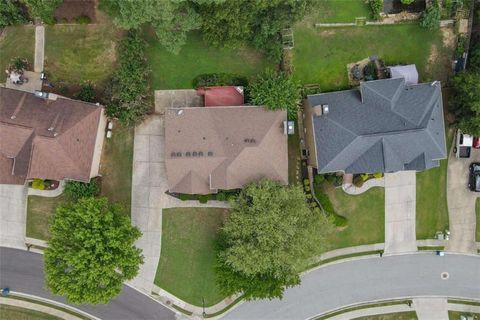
[47, 139]
[238, 145]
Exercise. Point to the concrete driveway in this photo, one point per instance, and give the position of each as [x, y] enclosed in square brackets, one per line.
[400, 207]
[13, 200]
[461, 204]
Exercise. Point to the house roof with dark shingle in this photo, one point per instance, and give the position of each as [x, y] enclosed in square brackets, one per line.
[385, 126]
[207, 149]
[46, 139]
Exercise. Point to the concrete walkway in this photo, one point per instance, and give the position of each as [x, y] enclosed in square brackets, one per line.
[351, 189]
[461, 204]
[13, 200]
[39, 48]
[400, 206]
[431, 308]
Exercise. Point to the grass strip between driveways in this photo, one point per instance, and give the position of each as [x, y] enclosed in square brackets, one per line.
[466, 302]
[9, 312]
[406, 315]
[363, 306]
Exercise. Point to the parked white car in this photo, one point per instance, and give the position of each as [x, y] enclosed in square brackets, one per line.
[463, 145]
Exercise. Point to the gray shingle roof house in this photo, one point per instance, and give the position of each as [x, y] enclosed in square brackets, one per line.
[385, 126]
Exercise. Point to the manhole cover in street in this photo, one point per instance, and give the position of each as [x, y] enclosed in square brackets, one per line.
[444, 275]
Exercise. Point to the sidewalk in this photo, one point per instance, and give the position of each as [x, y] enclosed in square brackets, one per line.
[431, 308]
[39, 48]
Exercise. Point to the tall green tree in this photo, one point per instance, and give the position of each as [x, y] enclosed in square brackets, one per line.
[10, 13]
[276, 90]
[128, 95]
[466, 103]
[171, 19]
[44, 9]
[91, 251]
[266, 240]
[258, 22]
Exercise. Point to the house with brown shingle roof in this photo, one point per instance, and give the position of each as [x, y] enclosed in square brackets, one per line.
[222, 148]
[55, 138]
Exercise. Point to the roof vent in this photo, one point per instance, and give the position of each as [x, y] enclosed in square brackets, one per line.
[187, 154]
[179, 154]
[179, 112]
[200, 153]
[210, 153]
[194, 153]
[173, 154]
[434, 83]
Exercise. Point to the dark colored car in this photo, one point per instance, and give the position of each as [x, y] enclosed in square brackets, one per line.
[474, 179]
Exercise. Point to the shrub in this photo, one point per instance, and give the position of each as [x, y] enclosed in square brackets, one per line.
[128, 94]
[306, 182]
[330, 178]
[10, 13]
[219, 79]
[42, 9]
[376, 8]
[184, 197]
[407, 2]
[87, 92]
[308, 196]
[203, 198]
[307, 188]
[76, 189]
[338, 220]
[83, 20]
[275, 91]
[370, 71]
[18, 64]
[38, 184]
[221, 196]
[460, 49]
[358, 181]
[378, 175]
[319, 179]
[430, 18]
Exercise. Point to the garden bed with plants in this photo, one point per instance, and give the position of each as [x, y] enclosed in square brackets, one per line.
[222, 195]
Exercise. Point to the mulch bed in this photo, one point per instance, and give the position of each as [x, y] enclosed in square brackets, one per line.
[69, 10]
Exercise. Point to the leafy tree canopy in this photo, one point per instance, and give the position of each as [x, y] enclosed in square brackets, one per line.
[44, 9]
[276, 90]
[10, 13]
[265, 242]
[430, 18]
[171, 20]
[128, 93]
[91, 251]
[466, 104]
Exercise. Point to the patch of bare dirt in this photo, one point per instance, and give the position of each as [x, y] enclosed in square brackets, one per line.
[69, 10]
[432, 58]
[448, 37]
[327, 33]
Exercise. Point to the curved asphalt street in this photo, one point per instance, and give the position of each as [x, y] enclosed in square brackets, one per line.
[337, 285]
[22, 271]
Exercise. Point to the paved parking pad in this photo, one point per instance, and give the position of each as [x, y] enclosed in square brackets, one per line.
[400, 206]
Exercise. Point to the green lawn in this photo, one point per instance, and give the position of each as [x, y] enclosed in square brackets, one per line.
[412, 315]
[455, 315]
[77, 53]
[16, 42]
[116, 166]
[365, 214]
[329, 11]
[186, 267]
[432, 210]
[8, 312]
[39, 212]
[477, 210]
[321, 55]
[171, 71]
